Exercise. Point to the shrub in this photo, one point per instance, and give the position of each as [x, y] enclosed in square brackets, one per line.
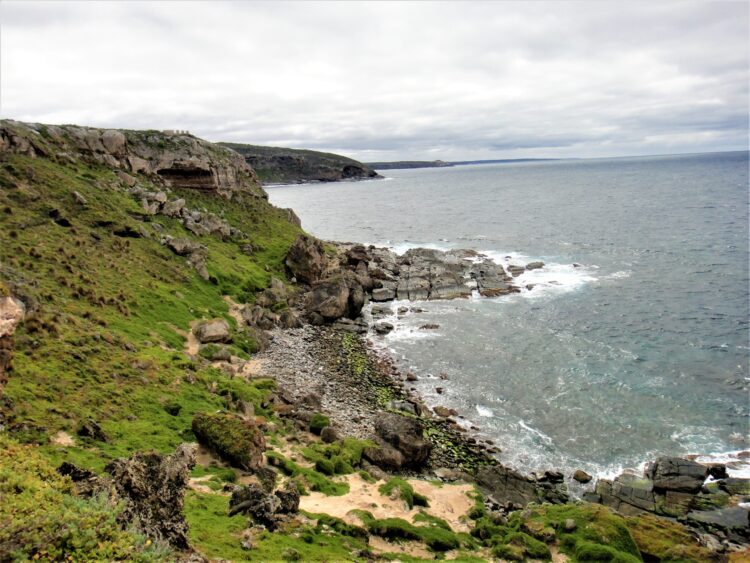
[405, 492]
[318, 422]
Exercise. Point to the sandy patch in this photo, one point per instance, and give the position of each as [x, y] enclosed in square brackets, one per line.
[235, 310]
[192, 346]
[410, 548]
[449, 502]
[62, 438]
[252, 368]
[557, 557]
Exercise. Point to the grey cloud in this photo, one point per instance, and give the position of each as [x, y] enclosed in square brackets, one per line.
[390, 80]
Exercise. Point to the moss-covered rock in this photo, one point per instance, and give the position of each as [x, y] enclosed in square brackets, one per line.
[237, 440]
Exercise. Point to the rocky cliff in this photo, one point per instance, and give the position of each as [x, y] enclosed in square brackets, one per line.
[175, 160]
[276, 165]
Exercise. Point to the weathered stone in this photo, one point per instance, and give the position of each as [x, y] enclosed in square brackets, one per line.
[444, 411]
[627, 494]
[216, 330]
[306, 259]
[581, 476]
[508, 486]
[89, 428]
[404, 434]
[383, 327]
[329, 435]
[732, 521]
[173, 208]
[11, 314]
[534, 265]
[676, 474]
[152, 488]
[253, 500]
[114, 142]
[384, 457]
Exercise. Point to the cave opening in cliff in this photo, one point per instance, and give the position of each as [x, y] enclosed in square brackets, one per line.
[195, 178]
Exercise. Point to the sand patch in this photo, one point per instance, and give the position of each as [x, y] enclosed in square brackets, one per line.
[557, 557]
[449, 502]
[410, 548]
[235, 310]
[252, 369]
[62, 438]
[192, 346]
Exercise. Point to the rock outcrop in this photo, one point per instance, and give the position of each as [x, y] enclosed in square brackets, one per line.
[677, 488]
[182, 161]
[276, 165]
[11, 314]
[152, 488]
[510, 488]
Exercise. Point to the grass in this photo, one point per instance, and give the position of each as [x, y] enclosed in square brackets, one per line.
[404, 491]
[435, 537]
[314, 479]
[340, 458]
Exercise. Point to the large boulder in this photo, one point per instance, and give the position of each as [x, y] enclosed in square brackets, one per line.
[306, 259]
[267, 509]
[384, 456]
[152, 487]
[507, 486]
[216, 330]
[676, 474]
[627, 493]
[336, 297]
[235, 439]
[404, 434]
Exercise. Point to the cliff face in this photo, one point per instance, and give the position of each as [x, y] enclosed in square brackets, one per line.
[174, 160]
[276, 165]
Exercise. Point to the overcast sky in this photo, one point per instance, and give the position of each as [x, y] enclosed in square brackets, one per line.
[387, 81]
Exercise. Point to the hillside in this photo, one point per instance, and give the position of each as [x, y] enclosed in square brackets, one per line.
[276, 165]
[182, 379]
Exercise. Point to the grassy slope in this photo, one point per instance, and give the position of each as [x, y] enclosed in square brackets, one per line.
[105, 341]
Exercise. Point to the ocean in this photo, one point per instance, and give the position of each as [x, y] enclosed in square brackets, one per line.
[632, 342]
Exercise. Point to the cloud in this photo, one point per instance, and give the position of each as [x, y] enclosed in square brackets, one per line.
[389, 80]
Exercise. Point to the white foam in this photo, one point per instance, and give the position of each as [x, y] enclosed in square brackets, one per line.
[484, 411]
[736, 466]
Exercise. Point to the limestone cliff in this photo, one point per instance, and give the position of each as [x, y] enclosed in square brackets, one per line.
[174, 160]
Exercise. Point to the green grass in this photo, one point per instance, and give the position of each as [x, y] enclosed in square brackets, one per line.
[340, 458]
[311, 478]
[437, 538]
[404, 491]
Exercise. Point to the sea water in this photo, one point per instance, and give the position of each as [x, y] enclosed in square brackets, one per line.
[633, 339]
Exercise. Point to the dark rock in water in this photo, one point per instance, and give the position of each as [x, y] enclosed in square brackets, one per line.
[384, 457]
[381, 310]
[515, 270]
[534, 265]
[581, 476]
[507, 486]
[445, 412]
[405, 406]
[90, 429]
[152, 488]
[717, 470]
[411, 377]
[552, 477]
[306, 259]
[439, 390]
[404, 434]
[383, 327]
[429, 326]
[676, 474]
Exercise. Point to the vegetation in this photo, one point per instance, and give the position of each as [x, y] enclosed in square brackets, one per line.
[313, 478]
[404, 491]
[236, 440]
[46, 521]
[318, 422]
[435, 537]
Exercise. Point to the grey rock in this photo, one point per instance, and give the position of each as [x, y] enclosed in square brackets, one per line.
[216, 330]
[676, 474]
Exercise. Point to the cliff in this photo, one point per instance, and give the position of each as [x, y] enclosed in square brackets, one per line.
[276, 165]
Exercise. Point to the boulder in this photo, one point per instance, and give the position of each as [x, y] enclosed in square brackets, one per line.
[534, 265]
[11, 314]
[216, 330]
[676, 474]
[445, 412]
[253, 500]
[507, 486]
[89, 428]
[237, 440]
[152, 488]
[384, 457]
[581, 476]
[173, 208]
[383, 327]
[306, 259]
[627, 494]
[336, 297]
[404, 434]
[114, 142]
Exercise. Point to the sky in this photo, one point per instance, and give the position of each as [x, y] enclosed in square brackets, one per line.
[390, 80]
